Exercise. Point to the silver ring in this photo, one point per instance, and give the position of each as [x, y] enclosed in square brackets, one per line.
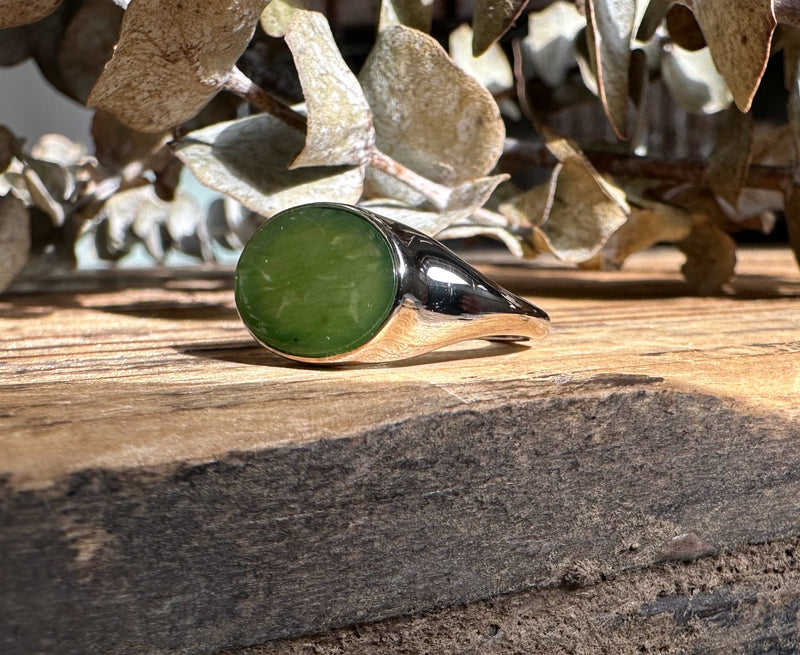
[328, 283]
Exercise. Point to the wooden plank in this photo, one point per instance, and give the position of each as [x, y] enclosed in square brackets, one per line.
[168, 486]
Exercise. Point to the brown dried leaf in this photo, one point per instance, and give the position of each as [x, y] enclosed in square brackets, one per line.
[739, 38]
[15, 238]
[172, 58]
[339, 128]
[586, 209]
[24, 12]
[449, 138]
[87, 45]
[117, 146]
[684, 29]
[710, 257]
[491, 19]
[730, 160]
[609, 35]
[411, 13]
[648, 224]
[533, 206]
[248, 159]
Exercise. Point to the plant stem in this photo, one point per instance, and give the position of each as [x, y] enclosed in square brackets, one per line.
[241, 85]
[775, 178]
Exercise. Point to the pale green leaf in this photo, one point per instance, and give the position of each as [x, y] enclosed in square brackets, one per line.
[339, 128]
[172, 58]
[248, 159]
[450, 137]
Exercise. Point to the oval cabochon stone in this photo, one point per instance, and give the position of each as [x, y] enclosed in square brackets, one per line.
[316, 281]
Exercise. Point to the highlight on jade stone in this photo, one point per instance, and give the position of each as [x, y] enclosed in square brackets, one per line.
[316, 281]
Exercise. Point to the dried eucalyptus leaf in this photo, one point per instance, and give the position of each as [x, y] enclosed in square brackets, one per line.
[512, 242]
[411, 13]
[730, 160]
[684, 29]
[339, 128]
[15, 238]
[586, 209]
[609, 36]
[739, 39]
[117, 146]
[533, 206]
[49, 185]
[248, 159]
[693, 80]
[491, 19]
[172, 58]
[24, 12]
[450, 137]
[87, 45]
[649, 224]
[9, 147]
[277, 14]
[229, 223]
[549, 47]
[651, 18]
[13, 46]
[710, 258]
[187, 227]
[58, 149]
[492, 69]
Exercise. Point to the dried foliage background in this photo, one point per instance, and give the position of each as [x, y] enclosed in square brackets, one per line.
[258, 101]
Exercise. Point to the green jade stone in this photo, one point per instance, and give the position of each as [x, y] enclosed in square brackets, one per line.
[316, 281]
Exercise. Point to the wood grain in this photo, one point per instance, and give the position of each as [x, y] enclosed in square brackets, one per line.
[167, 486]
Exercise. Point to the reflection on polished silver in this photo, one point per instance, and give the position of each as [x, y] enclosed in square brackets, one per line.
[440, 300]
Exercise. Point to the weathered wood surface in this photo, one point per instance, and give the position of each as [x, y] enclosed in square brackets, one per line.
[167, 486]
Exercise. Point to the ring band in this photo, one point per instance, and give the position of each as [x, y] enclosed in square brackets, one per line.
[327, 283]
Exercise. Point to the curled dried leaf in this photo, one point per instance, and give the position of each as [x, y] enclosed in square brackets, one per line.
[15, 238]
[609, 36]
[710, 257]
[339, 130]
[172, 58]
[411, 13]
[491, 20]
[739, 42]
[248, 159]
[450, 137]
[23, 12]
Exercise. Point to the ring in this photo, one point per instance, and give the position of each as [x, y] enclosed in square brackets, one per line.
[328, 283]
